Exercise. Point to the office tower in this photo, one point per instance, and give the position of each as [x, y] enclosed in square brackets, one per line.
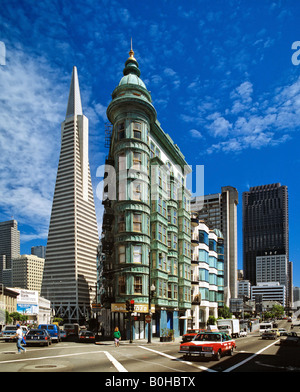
[39, 251]
[9, 244]
[146, 222]
[265, 224]
[70, 265]
[27, 272]
[219, 211]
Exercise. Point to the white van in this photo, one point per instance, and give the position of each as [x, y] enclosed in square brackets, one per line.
[264, 327]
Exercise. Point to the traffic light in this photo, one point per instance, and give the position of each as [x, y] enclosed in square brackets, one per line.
[132, 305]
[128, 305]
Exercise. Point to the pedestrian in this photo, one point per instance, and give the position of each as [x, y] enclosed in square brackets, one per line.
[19, 336]
[117, 337]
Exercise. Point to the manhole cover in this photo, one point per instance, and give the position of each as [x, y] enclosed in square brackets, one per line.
[45, 366]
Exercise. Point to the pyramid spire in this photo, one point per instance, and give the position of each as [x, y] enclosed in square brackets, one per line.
[74, 107]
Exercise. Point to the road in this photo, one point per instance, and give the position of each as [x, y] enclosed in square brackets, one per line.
[252, 355]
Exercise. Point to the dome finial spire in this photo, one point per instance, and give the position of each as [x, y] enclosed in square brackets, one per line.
[131, 53]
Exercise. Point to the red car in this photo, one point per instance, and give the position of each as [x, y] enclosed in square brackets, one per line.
[208, 345]
[190, 334]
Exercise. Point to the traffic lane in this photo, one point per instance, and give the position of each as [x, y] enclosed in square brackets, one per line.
[247, 348]
[151, 358]
[60, 357]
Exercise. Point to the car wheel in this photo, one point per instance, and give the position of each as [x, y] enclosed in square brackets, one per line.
[218, 355]
[230, 352]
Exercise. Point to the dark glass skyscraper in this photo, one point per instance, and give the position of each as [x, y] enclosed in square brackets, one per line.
[265, 225]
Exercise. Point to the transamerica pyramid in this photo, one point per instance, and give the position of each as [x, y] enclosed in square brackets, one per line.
[70, 272]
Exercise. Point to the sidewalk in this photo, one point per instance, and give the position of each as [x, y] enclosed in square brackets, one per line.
[138, 342]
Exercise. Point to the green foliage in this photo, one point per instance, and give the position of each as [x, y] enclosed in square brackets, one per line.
[224, 313]
[211, 320]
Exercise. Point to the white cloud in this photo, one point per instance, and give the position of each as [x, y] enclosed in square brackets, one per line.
[32, 109]
[196, 134]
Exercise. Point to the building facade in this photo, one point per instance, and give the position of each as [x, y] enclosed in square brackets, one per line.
[219, 211]
[69, 279]
[9, 247]
[272, 267]
[146, 224]
[39, 251]
[269, 291]
[265, 227]
[27, 272]
[207, 273]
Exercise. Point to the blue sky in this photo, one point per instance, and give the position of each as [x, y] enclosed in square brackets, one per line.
[220, 74]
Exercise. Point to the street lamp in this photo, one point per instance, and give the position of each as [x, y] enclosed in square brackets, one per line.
[152, 289]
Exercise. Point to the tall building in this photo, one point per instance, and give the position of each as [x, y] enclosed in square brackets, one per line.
[146, 239]
[265, 227]
[71, 255]
[27, 272]
[265, 224]
[9, 244]
[219, 211]
[39, 251]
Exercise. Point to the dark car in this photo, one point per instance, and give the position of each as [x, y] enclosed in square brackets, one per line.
[53, 331]
[291, 339]
[39, 337]
[86, 336]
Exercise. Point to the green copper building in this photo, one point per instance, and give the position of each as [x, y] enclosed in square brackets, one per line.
[146, 222]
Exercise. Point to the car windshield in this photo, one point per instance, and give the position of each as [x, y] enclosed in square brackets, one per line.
[36, 332]
[204, 337]
[8, 328]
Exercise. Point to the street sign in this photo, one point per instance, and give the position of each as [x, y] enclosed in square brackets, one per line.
[148, 318]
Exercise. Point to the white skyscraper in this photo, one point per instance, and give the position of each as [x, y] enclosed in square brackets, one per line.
[70, 266]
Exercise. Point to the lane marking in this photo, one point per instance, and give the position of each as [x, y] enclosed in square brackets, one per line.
[113, 360]
[50, 357]
[116, 364]
[179, 360]
[249, 359]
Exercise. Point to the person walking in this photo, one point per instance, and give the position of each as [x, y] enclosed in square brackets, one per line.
[19, 336]
[117, 337]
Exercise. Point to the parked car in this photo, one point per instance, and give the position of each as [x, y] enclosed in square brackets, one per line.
[38, 337]
[53, 331]
[291, 339]
[243, 334]
[9, 333]
[86, 336]
[190, 334]
[208, 345]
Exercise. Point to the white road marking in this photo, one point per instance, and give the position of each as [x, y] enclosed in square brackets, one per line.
[179, 360]
[249, 359]
[116, 364]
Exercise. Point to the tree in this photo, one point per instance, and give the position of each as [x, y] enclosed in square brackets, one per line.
[211, 320]
[277, 310]
[224, 313]
[16, 316]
